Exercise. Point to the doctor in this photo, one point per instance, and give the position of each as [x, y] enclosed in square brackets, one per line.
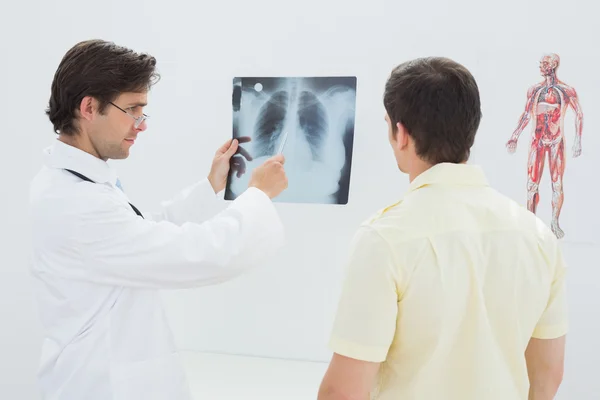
[98, 262]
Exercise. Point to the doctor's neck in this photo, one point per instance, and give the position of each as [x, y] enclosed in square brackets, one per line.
[82, 142]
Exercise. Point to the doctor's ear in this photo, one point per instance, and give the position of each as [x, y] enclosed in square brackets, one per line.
[88, 107]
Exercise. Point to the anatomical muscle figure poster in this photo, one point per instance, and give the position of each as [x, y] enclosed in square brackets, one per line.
[547, 103]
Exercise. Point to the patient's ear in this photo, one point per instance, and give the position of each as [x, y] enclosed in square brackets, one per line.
[402, 136]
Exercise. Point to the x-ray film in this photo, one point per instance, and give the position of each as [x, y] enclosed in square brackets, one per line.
[310, 120]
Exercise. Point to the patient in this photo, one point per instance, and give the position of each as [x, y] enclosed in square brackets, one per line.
[455, 292]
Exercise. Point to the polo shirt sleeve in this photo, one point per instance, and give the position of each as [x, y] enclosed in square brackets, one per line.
[554, 321]
[365, 322]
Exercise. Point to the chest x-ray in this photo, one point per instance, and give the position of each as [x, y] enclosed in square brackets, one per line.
[308, 120]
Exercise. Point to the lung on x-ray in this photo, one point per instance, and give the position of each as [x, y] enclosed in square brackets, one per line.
[310, 120]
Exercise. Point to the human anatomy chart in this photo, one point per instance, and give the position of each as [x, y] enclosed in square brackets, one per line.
[310, 120]
[547, 104]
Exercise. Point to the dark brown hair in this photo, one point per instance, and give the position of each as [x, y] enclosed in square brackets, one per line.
[99, 69]
[437, 102]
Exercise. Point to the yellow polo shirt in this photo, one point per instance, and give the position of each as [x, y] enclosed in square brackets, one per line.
[446, 288]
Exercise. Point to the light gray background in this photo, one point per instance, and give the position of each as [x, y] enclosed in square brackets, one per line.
[285, 309]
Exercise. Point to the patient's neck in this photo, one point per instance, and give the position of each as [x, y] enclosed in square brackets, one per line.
[417, 167]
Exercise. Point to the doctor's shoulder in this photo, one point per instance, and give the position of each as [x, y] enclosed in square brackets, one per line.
[59, 205]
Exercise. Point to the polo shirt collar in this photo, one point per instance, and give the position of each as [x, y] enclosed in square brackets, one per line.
[63, 156]
[450, 174]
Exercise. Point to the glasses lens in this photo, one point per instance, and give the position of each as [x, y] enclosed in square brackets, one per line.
[139, 120]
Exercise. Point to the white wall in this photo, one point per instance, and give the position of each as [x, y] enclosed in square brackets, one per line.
[285, 309]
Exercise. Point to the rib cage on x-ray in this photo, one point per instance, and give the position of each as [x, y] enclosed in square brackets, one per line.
[312, 120]
[316, 118]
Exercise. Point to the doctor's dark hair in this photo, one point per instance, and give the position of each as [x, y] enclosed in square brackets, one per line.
[99, 69]
[437, 101]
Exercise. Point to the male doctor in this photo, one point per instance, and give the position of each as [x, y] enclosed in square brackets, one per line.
[98, 262]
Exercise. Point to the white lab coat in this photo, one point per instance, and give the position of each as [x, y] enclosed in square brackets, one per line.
[97, 269]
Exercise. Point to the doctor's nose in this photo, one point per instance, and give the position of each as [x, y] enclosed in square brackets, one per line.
[142, 126]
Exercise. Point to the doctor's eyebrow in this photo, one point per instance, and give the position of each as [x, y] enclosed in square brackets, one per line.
[131, 105]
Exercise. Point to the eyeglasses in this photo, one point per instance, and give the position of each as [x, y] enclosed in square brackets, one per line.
[138, 120]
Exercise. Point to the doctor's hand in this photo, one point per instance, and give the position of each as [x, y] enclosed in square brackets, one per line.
[270, 177]
[223, 162]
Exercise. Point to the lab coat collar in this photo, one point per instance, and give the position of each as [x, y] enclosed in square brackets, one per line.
[63, 156]
[450, 174]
